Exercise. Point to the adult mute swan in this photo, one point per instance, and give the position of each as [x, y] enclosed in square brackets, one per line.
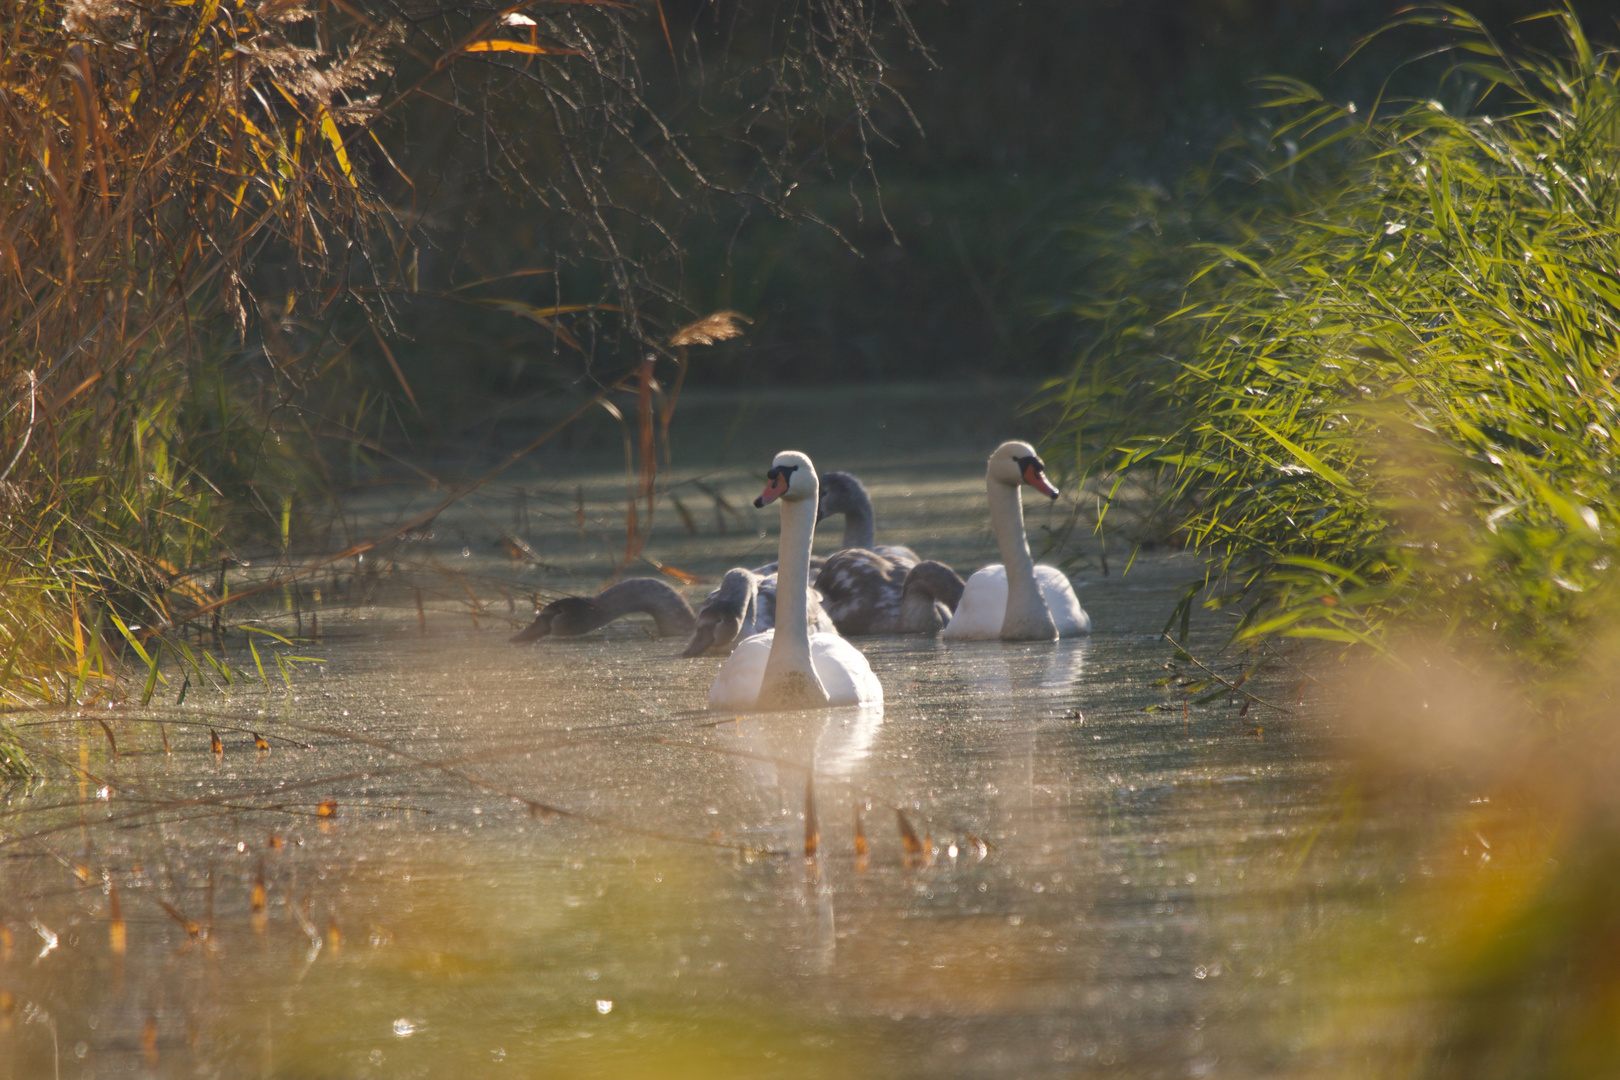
[575, 615]
[788, 667]
[1016, 600]
[745, 602]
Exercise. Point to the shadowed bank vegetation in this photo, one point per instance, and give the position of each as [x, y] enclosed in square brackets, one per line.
[1369, 356]
[1026, 111]
[152, 157]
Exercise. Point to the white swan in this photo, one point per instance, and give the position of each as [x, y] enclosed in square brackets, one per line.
[1016, 600]
[788, 667]
[869, 579]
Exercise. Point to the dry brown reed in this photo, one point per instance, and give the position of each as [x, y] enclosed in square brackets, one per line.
[151, 155]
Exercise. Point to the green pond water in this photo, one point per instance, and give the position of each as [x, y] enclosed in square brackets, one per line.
[1115, 888]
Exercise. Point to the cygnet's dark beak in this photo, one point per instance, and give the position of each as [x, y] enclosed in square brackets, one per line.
[702, 638]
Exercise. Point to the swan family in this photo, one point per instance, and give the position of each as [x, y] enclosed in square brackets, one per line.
[785, 636]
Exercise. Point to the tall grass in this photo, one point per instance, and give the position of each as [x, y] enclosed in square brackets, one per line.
[1371, 355]
[151, 156]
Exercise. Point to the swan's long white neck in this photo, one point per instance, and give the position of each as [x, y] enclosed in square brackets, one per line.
[1027, 618]
[790, 680]
[792, 579]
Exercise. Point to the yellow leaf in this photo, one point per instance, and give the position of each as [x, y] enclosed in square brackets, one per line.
[685, 577]
[78, 634]
[209, 10]
[528, 311]
[501, 45]
[329, 129]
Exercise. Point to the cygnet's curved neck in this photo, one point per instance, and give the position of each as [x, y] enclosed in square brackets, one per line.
[790, 680]
[937, 580]
[1027, 618]
[669, 609]
[860, 530]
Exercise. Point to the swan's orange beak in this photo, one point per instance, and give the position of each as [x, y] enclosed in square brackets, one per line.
[776, 486]
[1035, 477]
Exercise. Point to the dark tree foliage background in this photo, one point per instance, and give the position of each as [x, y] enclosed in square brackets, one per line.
[939, 255]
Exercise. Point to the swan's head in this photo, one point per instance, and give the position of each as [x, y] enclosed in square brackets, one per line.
[840, 493]
[570, 616]
[1016, 463]
[541, 627]
[720, 619]
[791, 478]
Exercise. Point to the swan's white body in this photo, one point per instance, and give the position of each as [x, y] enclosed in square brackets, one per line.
[788, 667]
[983, 606]
[1016, 600]
[842, 670]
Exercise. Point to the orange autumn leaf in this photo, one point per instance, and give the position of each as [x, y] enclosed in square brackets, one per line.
[501, 45]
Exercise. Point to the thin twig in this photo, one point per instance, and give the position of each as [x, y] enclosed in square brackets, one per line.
[1228, 683]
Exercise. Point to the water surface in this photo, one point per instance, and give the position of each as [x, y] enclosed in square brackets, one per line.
[1111, 884]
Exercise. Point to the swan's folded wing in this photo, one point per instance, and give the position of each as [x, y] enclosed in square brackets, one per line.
[899, 555]
[1067, 614]
[843, 671]
[983, 606]
[863, 591]
[737, 684]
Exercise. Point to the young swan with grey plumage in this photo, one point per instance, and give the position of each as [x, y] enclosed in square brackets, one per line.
[744, 605]
[745, 602]
[878, 589]
[788, 667]
[843, 493]
[1016, 600]
[572, 616]
[867, 593]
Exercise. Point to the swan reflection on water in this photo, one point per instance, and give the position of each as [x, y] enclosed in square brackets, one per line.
[1005, 678]
[782, 747]
[832, 742]
[840, 749]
